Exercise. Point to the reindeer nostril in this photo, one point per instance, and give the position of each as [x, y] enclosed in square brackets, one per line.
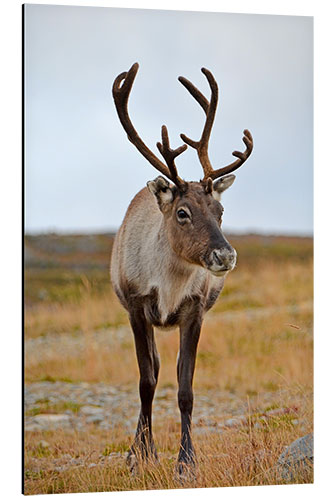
[224, 258]
[217, 257]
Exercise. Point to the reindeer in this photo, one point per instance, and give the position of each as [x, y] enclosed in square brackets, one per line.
[170, 259]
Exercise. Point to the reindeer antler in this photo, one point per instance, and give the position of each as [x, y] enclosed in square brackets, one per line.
[202, 145]
[170, 154]
[120, 95]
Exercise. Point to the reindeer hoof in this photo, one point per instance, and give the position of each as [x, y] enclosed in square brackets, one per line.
[135, 459]
[132, 462]
[185, 473]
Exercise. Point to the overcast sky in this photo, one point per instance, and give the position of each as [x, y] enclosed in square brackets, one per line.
[81, 170]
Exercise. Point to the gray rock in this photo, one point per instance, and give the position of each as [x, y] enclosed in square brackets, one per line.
[105, 425]
[95, 419]
[31, 427]
[60, 468]
[91, 410]
[51, 421]
[236, 422]
[75, 461]
[93, 414]
[296, 458]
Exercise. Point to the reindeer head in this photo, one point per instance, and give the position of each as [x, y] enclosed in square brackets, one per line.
[191, 210]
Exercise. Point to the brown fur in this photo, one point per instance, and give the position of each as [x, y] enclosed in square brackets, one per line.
[174, 250]
[162, 270]
[170, 258]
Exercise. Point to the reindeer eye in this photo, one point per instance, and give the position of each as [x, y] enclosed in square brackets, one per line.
[182, 215]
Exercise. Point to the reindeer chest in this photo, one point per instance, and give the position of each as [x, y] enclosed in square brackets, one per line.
[170, 300]
[157, 315]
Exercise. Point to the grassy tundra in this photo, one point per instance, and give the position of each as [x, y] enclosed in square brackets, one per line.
[254, 366]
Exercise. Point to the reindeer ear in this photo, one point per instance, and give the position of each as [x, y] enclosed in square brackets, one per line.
[221, 185]
[160, 188]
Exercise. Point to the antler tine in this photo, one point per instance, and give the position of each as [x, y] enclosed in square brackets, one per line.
[242, 157]
[120, 95]
[202, 145]
[198, 96]
[210, 109]
[170, 154]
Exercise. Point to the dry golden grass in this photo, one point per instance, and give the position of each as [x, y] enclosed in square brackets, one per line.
[91, 311]
[85, 301]
[242, 457]
[236, 350]
[257, 340]
[239, 354]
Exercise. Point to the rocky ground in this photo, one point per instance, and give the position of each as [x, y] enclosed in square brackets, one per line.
[51, 405]
[78, 407]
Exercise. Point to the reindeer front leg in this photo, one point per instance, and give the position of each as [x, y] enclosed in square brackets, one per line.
[189, 337]
[148, 361]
